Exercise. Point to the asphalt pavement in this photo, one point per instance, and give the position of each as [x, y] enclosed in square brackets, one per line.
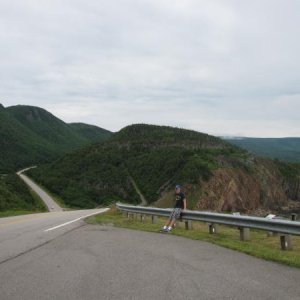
[102, 262]
[21, 234]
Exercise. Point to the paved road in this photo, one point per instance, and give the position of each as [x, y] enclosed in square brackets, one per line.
[48, 200]
[100, 262]
[23, 233]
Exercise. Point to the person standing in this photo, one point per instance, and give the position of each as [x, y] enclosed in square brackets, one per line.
[180, 205]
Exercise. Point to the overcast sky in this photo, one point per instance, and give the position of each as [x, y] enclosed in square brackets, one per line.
[220, 67]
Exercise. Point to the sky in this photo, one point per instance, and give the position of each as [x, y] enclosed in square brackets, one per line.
[227, 67]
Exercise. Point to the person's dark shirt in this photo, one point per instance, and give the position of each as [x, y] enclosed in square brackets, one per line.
[179, 200]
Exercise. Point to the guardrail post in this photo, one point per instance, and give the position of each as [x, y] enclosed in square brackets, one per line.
[286, 242]
[293, 217]
[142, 217]
[244, 233]
[286, 239]
[154, 219]
[188, 225]
[213, 228]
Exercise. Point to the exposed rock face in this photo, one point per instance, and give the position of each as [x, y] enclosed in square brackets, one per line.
[257, 190]
[237, 190]
[292, 189]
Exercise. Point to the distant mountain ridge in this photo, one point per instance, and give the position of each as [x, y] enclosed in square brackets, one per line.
[30, 135]
[287, 149]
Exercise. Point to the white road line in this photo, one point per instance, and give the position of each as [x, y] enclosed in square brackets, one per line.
[67, 223]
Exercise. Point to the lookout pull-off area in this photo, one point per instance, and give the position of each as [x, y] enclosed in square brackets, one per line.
[101, 262]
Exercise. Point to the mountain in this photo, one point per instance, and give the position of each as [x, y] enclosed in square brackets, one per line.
[31, 135]
[151, 159]
[287, 149]
[18, 145]
[92, 133]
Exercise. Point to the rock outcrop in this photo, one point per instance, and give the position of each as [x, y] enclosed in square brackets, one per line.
[237, 190]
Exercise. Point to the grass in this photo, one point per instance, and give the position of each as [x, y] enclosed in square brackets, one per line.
[259, 245]
[42, 206]
[11, 213]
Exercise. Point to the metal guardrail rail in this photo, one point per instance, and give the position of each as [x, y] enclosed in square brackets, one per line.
[278, 226]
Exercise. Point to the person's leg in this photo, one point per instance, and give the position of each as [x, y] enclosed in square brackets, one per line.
[172, 223]
[169, 224]
[169, 221]
[175, 216]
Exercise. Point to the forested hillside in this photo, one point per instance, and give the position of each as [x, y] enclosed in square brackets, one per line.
[15, 195]
[287, 149]
[31, 135]
[92, 134]
[154, 156]
[216, 175]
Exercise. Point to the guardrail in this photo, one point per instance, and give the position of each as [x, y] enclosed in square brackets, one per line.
[285, 228]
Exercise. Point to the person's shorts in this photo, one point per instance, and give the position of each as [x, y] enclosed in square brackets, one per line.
[175, 214]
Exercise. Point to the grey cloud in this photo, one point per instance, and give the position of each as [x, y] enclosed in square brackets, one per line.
[210, 65]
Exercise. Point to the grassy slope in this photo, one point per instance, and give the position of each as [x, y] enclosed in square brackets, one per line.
[259, 245]
[16, 198]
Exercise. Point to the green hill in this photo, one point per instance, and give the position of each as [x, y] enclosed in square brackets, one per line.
[287, 149]
[19, 146]
[31, 135]
[92, 133]
[216, 175]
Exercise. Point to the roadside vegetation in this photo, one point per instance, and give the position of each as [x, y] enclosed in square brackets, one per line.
[259, 244]
[16, 198]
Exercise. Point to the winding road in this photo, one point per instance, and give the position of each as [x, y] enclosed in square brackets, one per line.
[48, 200]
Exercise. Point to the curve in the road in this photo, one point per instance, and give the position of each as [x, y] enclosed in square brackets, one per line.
[47, 199]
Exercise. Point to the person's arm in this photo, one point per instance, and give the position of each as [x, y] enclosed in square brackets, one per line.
[184, 204]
